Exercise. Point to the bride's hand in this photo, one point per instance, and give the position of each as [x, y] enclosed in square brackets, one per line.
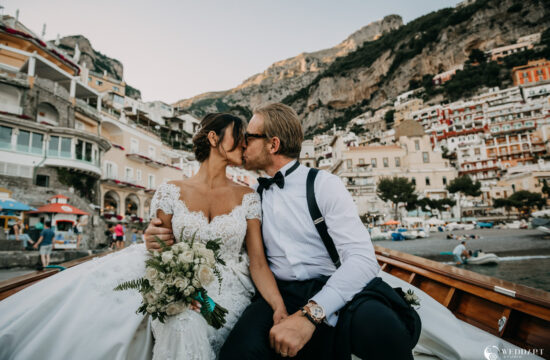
[195, 306]
[279, 314]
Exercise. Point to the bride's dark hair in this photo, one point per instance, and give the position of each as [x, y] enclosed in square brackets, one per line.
[216, 122]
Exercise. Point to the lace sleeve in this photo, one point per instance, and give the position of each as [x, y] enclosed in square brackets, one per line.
[253, 206]
[164, 199]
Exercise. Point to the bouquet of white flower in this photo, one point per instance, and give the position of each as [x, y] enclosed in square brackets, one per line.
[177, 276]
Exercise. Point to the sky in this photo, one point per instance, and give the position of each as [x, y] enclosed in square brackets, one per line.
[176, 49]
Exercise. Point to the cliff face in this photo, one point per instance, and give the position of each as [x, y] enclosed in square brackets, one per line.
[96, 61]
[366, 70]
[286, 77]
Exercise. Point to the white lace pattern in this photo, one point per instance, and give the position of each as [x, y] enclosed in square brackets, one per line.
[187, 336]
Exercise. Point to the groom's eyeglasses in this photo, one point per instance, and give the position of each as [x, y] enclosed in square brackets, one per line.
[255, 136]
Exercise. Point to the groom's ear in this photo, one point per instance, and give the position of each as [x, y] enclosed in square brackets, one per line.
[275, 144]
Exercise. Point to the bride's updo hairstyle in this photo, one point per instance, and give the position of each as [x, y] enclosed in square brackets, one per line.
[216, 122]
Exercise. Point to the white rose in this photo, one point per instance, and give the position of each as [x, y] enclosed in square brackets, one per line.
[208, 255]
[197, 261]
[151, 273]
[205, 275]
[158, 287]
[189, 274]
[170, 280]
[186, 292]
[151, 309]
[199, 246]
[150, 298]
[181, 283]
[186, 257]
[167, 256]
[174, 308]
[196, 283]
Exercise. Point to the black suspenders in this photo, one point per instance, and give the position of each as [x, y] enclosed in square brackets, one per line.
[316, 216]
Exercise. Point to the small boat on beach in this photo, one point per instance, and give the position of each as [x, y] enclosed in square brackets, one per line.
[483, 259]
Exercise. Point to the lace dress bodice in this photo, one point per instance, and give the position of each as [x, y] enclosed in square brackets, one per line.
[231, 227]
[187, 336]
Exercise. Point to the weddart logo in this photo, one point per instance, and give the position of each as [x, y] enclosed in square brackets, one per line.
[493, 352]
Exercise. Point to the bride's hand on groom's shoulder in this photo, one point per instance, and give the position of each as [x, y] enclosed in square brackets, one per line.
[279, 314]
[155, 230]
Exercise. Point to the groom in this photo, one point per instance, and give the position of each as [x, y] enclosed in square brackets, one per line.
[332, 313]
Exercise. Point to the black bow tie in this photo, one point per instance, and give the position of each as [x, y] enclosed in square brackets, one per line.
[278, 179]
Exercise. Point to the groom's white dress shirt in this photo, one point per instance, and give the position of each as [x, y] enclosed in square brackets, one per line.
[295, 250]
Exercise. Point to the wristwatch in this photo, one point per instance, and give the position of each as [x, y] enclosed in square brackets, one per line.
[314, 312]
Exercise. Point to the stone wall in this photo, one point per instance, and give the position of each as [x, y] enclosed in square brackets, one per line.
[24, 191]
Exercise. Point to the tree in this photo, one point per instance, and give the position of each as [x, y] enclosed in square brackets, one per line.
[477, 56]
[545, 188]
[388, 117]
[464, 185]
[525, 200]
[397, 190]
[435, 204]
[503, 203]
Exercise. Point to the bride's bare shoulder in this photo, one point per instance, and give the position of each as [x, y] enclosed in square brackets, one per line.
[242, 190]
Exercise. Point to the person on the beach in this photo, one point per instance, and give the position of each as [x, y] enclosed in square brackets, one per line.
[46, 244]
[460, 253]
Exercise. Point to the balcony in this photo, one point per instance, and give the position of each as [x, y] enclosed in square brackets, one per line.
[122, 182]
[145, 160]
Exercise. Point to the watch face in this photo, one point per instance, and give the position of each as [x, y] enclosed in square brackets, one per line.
[317, 311]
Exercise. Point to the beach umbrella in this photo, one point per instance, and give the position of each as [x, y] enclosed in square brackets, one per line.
[13, 205]
[391, 222]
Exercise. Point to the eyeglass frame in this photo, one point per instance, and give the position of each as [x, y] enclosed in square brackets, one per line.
[255, 136]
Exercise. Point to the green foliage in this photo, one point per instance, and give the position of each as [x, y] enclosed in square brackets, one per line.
[132, 92]
[515, 8]
[137, 284]
[545, 188]
[465, 185]
[525, 200]
[477, 56]
[397, 190]
[84, 185]
[431, 204]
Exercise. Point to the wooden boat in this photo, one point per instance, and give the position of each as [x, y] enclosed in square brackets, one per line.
[513, 312]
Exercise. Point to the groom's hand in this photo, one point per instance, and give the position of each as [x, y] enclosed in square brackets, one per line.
[155, 229]
[291, 334]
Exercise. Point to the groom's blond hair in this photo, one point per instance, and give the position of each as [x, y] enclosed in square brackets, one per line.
[281, 121]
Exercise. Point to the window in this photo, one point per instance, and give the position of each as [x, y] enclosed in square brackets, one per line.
[117, 99]
[42, 180]
[111, 171]
[417, 145]
[425, 157]
[99, 82]
[152, 152]
[349, 164]
[151, 181]
[385, 162]
[37, 144]
[66, 144]
[138, 175]
[427, 181]
[134, 146]
[361, 161]
[5, 137]
[373, 162]
[88, 152]
[89, 79]
[23, 140]
[115, 88]
[397, 162]
[79, 125]
[128, 174]
[79, 149]
[477, 151]
[444, 180]
[53, 146]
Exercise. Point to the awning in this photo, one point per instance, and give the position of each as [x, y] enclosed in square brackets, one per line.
[13, 205]
[59, 208]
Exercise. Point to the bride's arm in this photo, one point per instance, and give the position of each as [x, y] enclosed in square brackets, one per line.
[261, 273]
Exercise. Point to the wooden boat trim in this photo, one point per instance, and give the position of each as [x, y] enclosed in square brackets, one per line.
[16, 284]
[513, 312]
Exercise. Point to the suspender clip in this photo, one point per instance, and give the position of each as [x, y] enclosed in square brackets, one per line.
[319, 220]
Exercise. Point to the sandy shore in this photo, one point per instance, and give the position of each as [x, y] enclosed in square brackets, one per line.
[500, 241]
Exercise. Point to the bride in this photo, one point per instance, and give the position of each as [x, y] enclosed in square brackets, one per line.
[77, 315]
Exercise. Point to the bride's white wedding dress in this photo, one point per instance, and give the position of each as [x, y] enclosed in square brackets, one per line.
[76, 314]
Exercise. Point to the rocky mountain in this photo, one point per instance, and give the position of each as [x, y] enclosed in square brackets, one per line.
[287, 76]
[378, 62]
[94, 60]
